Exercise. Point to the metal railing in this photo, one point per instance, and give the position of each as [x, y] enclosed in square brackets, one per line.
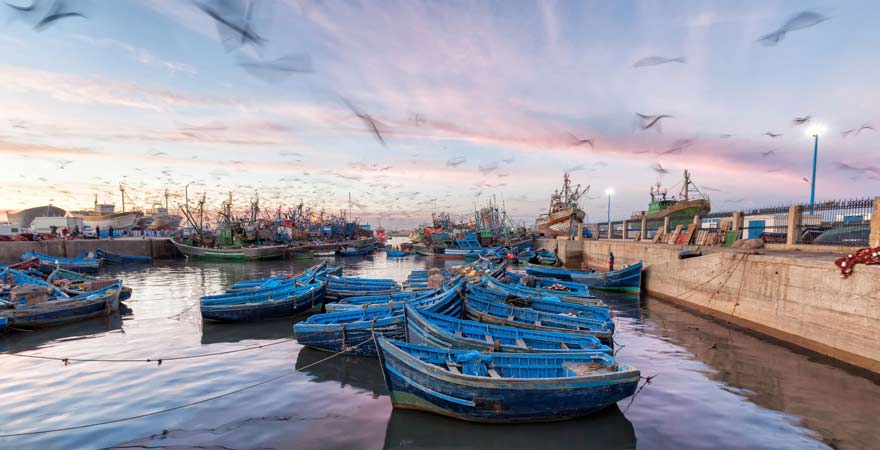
[836, 222]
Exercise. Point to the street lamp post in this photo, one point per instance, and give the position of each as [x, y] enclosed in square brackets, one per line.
[813, 177]
[609, 191]
[814, 132]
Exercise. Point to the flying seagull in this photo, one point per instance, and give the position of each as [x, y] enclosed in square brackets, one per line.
[238, 22]
[768, 153]
[677, 146]
[648, 121]
[864, 127]
[798, 121]
[368, 121]
[657, 60]
[576, 141]
[772, 135]
[659, 169]
[799, 21]
[56, 13]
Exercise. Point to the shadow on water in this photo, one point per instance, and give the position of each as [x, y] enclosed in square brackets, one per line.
[88, 329]
[213, 333]
[356, 371]
[839, 405]
[605, 430]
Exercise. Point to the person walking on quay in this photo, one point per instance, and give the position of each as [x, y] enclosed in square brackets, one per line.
[110, 231]
[97, 232]
[75, 231]
[610, 261]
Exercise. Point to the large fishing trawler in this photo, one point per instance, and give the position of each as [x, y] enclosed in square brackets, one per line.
[565, 212]
[685, 204]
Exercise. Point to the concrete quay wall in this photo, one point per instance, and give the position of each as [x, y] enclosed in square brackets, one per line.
[157, 248]
[799, 300]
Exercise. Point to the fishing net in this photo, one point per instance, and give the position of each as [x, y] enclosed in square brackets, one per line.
[868, 256]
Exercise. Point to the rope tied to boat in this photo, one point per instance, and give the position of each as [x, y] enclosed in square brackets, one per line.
[67, 360]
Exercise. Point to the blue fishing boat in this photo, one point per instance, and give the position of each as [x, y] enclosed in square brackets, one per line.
[58, 310]
[491, 255]
[525, 256]
[372, 301]
[288, 299]
[544, 303]
[353, 331]
[397, 254]
[628, 279]
[570, 294]
[490, 311]
[438, 330]
[356, 251]
[344, 287]
[546, 257]
[503, 387]
[464, 248]
[316, 271]
[75, 283]
[81, 263]
[114, 258]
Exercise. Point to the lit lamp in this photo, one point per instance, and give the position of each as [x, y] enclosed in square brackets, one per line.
[609, 192]
[814, 131]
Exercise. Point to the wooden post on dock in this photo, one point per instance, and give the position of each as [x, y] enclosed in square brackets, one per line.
[874, 239]
[697, 221]
[610, 230]
[625, 235]
[580, 232]
[644, 230]
[794, 224]
[666, 225]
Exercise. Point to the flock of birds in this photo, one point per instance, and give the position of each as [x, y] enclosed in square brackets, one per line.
[238, 31]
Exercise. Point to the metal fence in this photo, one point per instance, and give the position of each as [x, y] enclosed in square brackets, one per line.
[835, 222]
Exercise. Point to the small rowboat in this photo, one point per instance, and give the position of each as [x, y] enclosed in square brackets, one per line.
[546, 303]
[113, 258]
[75, 283]
[397, 254]
[628, 279]
[546, 257]
[353, 331]
[60, 310]
[49, 263]
[503, 387]
[580, 296]
[485, 310]
[427, 328]
[372, 301]
[289, 299]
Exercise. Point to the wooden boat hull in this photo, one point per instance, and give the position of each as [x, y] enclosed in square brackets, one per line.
[560, 222]
[64, 311]
[234, 254]
[433, 330]
[355, 337]
[628, 279]
[50, 263]
[501, 314]
[113, 258]
[414, 384]
[297, 302]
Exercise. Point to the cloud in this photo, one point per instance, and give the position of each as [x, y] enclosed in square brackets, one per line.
[71, 88]
[138, 54]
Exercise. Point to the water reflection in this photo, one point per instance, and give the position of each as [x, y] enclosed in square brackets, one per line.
[88, 329]
[356, 371]
[605, 430]
[270, 330]
[833, 402]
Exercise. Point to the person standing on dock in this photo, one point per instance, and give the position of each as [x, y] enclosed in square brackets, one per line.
[610, 261]
[97, 232]
[110, 232]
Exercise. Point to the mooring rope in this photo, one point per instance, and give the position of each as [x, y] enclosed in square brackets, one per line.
[186, 405]
[67, 361]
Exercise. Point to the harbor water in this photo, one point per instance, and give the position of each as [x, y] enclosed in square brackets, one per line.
[712, 386]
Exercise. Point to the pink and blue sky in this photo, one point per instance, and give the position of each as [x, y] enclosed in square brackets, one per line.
[474, 99]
